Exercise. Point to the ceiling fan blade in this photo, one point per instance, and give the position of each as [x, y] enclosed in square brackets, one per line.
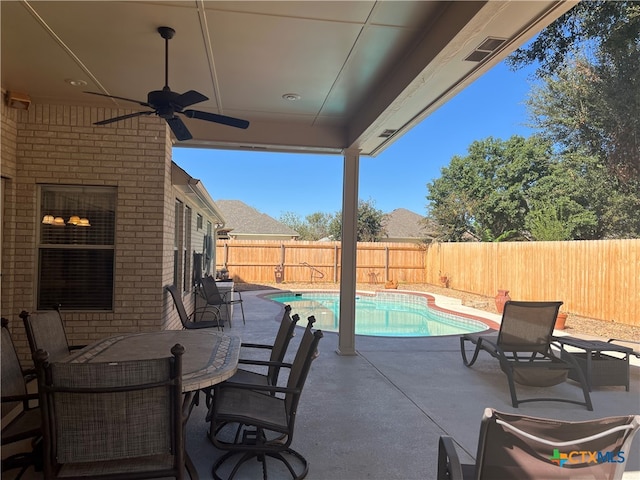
[189, 98]
[213, 117]
[144, 104]
[179, 129]
[123, 117]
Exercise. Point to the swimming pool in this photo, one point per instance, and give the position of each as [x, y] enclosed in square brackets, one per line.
[381, 314]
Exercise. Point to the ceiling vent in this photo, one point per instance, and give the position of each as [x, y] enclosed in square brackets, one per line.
[387, 133]
[486, 48]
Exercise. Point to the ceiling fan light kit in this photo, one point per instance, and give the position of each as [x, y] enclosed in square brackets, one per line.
[167, 104]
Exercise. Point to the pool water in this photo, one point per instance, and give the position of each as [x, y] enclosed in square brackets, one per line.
[381, 314]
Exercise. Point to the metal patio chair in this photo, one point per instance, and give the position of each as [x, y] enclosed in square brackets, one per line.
[22, 418]
[278, 350]
[516, 447]
[188, 321]
[113, 420]
[265, 417]
[45, 330]
[277, 353]
[523, 348]
[213, 297]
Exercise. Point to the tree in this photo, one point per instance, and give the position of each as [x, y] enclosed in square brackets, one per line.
[520, 189]
[370, 223]
[485, 194]
[314, 227]
[590, 101]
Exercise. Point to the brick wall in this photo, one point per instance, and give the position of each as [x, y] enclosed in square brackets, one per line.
[57, 144]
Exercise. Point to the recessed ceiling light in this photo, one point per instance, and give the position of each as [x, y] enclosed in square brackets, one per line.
[76, 83]
[291, 96]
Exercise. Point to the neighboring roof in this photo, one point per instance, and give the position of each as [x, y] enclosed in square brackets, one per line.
[403, 223]
[241, 219]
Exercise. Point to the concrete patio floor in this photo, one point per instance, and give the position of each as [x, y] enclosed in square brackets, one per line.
[379, 414]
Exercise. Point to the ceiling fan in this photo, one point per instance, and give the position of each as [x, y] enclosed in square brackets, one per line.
[167, 104]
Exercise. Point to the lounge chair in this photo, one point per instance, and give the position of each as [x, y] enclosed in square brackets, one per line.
[21, 415]
[114, 420]
[515, 447]
[188, 321]
[265, 417]
[523, 348]
[213, 297]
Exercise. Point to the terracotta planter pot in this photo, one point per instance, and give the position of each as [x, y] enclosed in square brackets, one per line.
[560, 321]
[501, 298]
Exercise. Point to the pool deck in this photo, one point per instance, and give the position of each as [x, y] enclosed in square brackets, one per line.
[378, 415]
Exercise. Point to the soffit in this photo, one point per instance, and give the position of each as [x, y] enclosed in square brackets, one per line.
[361, 68]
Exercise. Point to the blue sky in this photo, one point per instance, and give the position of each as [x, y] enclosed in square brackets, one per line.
[275, 183]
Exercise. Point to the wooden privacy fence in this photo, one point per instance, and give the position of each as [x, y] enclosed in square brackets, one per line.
[598, 279]
[256, 261]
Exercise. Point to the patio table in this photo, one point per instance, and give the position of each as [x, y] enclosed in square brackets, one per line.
[600, 369]
[210, 357]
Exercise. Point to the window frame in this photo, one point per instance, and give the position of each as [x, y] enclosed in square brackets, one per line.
[77, 255]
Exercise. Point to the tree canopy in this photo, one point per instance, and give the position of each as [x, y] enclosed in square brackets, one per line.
[589, 99]
[326, 225]
[370, 223]
[520, 189]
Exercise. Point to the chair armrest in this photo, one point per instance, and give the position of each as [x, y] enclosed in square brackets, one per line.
[271, 389]
[204, 309]
[264, 363]
[256, 345]
[19, 398]
[449, 467]
[231, 298]
[623, 341]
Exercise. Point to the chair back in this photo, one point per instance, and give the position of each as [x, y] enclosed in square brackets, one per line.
[111, 411]
[211, 292]
[307, 352]
[45, 331]
[177, 301]
[519, 446]
[12, 376]
[281, 343]
[527, 326]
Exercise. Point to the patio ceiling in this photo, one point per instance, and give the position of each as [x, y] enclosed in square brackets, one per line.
[365, 71]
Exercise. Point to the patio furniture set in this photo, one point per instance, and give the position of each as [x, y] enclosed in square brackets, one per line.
[117, 409]
[147, 395]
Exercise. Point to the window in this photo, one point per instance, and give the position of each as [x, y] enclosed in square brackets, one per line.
[76, 247]
[178, 244]
[187, 276]
[198, 221]
[182, 264]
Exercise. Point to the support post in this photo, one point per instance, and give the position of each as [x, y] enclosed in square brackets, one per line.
[347, 328]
